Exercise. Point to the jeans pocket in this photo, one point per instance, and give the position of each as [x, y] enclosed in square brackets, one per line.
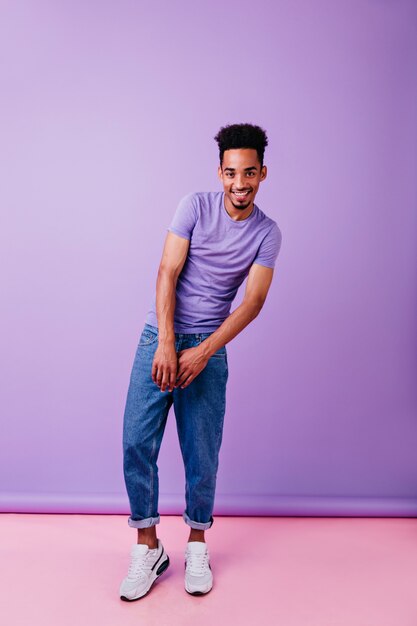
[147, 337]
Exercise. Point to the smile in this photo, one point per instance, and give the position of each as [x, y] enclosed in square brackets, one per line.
[241, 194]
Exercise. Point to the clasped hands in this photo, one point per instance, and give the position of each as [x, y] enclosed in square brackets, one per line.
[171, 369]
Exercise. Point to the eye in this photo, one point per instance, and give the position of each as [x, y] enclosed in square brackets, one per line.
[251, 173]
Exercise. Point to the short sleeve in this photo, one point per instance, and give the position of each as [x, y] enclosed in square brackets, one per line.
[269, 249]
[185, 217]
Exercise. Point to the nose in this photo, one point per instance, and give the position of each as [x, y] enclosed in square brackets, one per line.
[239, 182]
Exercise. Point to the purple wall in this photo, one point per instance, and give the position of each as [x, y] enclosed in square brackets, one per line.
[109, 113]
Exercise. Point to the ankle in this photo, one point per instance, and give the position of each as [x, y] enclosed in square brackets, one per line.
[197, 535]
[151, 544]
[148, 538]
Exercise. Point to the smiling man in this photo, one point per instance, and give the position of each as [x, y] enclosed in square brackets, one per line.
[215, 240]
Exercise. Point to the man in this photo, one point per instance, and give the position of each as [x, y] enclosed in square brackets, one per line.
[215, 240]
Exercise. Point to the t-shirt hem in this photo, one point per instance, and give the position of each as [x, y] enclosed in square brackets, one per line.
[264, 264]
[177, 232]
[185, 330]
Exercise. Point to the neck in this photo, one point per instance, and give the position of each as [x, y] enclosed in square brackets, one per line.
[237, 214]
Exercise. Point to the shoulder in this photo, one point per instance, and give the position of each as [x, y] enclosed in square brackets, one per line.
[207, 198]
[270, 243]
[188, 198]
[269, 225]
[201, 203]
[274, 232]
[201, 198]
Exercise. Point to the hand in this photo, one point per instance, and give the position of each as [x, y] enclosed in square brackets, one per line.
[164, 366]
[190, 363]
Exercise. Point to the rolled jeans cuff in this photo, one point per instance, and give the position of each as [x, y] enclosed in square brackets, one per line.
[144, 523]
[198, 525]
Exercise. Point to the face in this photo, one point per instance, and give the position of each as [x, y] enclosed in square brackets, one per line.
[241, 172]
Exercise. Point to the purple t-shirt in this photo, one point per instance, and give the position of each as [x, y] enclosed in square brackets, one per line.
[219, 258]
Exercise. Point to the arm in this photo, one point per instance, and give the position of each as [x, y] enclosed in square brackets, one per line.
[164, 367]
[257, 286]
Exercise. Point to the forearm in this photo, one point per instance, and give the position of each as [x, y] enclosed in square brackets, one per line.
[165, 306]
[232, 326]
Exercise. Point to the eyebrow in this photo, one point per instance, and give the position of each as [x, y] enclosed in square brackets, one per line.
[232, 169]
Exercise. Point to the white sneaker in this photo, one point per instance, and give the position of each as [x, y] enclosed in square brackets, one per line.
[198, 575]
[145, 567]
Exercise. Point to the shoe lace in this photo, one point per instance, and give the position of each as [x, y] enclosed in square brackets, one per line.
[197, 563]
[140, 566]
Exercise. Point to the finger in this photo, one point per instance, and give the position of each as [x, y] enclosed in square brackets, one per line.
[187, 381]
[172, 377]
[154, 371]
[165, 379]
[181, 377]
[158, 377]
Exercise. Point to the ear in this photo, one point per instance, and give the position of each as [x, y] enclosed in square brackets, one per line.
[219, 172]
[264, 172]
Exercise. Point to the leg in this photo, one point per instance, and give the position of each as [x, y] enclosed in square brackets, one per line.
[148, 537]
[199, 411]
[143, 427]
[196, 535]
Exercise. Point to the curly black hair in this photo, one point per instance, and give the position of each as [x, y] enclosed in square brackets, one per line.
[242, 136]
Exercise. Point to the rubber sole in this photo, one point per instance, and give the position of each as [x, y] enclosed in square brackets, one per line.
[198, 593]
[161, 569]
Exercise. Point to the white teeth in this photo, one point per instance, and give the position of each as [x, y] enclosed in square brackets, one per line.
[241, 193]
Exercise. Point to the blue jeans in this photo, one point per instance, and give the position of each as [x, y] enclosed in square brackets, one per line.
[199, 412]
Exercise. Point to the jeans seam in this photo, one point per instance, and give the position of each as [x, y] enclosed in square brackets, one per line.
[151, 482]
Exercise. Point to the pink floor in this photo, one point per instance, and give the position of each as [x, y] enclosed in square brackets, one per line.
[66, 569]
